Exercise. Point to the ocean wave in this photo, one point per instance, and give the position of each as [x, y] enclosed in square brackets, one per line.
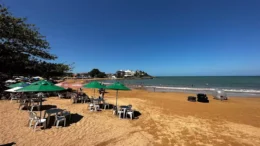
[199, 89]
[205, 89]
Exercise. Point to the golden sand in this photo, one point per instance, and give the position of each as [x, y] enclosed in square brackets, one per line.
[166, 119]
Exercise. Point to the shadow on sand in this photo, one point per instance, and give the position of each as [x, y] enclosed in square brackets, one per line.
[137, 114]
[47, 107]
[8, 144]
[69, 120]
[75, 118]
[43, 108]
[108, 107]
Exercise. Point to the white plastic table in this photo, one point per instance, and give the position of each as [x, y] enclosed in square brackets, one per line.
[50, 112]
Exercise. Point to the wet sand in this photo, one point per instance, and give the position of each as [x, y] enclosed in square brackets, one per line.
[166, 119]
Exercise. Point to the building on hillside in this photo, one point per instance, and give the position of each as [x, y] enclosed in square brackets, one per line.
[120, 74]
[110, 75]
[129, 73]
[113, 77]
[139, 72]
[85, 75]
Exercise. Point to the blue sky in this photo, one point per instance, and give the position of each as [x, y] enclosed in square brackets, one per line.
[167, 37]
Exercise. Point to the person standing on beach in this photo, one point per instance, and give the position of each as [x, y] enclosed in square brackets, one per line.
[102, 93]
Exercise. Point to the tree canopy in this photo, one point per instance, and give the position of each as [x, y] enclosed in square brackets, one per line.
[24, 50]
[95, 73]
[141, 74]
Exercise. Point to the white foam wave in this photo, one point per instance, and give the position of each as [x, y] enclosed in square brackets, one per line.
[205, 89]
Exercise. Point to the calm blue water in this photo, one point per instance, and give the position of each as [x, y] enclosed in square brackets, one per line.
[238, 85]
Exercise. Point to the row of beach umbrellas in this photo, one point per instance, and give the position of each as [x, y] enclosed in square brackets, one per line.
[46, 86]
[116, 86]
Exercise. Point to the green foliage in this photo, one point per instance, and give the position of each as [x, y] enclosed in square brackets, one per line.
[23, 50]
[16, 36]
[101, 75]
[69, 74]
[95, 73]
[141, 74]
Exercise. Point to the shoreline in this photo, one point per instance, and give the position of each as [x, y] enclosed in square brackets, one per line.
[193, 90]
[229, 94]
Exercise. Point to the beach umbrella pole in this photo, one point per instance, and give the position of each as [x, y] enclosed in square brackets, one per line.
[40, 107]
[116, 100]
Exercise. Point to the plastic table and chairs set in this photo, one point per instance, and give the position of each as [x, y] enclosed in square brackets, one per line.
[124, 111]
[96, 103]
[61, 116]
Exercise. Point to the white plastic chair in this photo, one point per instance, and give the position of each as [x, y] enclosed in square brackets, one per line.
[35, 104]
[13, 97]
[23, 103]
[74, 98]
[59, 119]
[40, 95]
[91, 106]
[85, 99]
[120, 112]
[105, 105]
[130, 113]
[33, 118]
[60, 95]
[114, 110]
[66, 113]
[97, 107]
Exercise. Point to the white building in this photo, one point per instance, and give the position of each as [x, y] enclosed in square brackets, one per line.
[129, 73]
[113, 77]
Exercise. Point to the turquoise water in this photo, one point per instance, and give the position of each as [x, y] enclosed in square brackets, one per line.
[231, 84]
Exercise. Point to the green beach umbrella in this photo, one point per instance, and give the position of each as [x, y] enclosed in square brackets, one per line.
[41, 86]
[94, 85]
[117, 86]
[21, 84]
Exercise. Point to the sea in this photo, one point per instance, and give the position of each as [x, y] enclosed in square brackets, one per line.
[233, 85]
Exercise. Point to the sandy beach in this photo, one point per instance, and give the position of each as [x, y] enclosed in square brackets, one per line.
[166, 119]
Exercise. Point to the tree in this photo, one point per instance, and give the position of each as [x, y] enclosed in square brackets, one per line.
[101, 75]
[19, 37]
[95, 73]
[140, 73]
[22, 48]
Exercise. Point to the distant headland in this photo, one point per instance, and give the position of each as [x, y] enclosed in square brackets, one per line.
[120, 74]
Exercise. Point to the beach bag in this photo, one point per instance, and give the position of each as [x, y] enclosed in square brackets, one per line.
[202, 98]
[192, 99]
